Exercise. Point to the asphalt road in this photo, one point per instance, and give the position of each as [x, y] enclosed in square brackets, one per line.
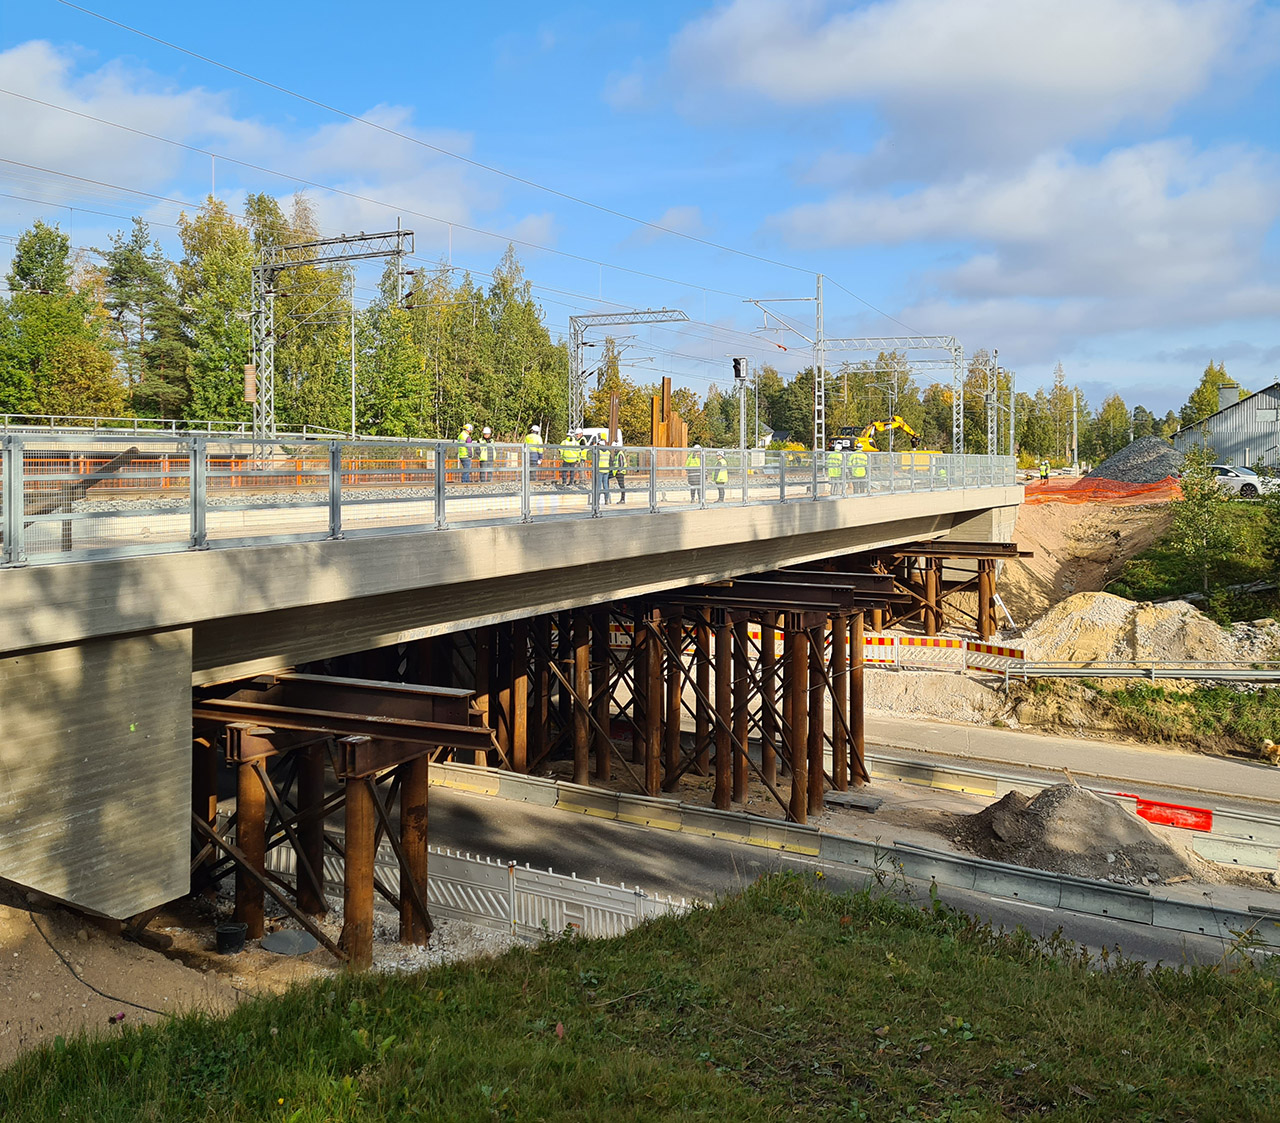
[690, 866]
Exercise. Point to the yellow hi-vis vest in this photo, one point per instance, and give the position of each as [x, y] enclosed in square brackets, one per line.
[570, 452]
[858, 462]
[722, 472]
[464, 449]
[485, 451]
[534, 441]
[834, 464]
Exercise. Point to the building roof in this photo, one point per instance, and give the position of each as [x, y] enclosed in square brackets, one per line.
[1225, 409]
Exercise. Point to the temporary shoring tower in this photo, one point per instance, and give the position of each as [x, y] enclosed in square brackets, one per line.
[578, 326]
[262, 319]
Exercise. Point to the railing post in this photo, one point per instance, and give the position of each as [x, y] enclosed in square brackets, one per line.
[15, 503]
[782, 477]
[702, 479]
[593, 466]
[442, 522]
[816, 477]
[335, 490]
[746, 481]
[526, 502]
[198, 491]
[653, 481]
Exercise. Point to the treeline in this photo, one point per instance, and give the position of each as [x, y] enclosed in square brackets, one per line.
[124, 331]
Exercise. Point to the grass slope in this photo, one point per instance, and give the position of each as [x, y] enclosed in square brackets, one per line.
[784, 1002]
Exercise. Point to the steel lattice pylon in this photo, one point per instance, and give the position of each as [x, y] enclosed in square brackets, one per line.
[578, 326]
[262, 317]
[904, 343]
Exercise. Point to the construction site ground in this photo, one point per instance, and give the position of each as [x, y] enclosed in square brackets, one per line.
[1077, 549]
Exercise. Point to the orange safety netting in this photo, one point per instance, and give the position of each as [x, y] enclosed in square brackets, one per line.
[1104, 491]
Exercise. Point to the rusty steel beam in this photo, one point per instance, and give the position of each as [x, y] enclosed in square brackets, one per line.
[582, 694]
[702, 719]
[229, 711]
[817, 720]
[600, 692]
[858, 721]
[840, 702]
[251, 831]
[359, 824]
[957, 551]
[741, 706]
[414, 788]
[311, 824]
[520, 696]
[653, 704]
[675, 695]
[768, 695]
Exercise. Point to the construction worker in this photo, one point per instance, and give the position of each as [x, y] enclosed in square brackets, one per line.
[1044, 469]
[533, 442]
[693, 470]
[464, 452]
[619, 461]
[721, 475]
[485, 454]
[602, 467]
[858, 470]
[570, 454]
[835, 469]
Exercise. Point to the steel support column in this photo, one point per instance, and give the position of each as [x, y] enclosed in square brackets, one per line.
[857, 716]
[675, 694]
[541, 687]
[985, 591]
[311, 825]
[484, 681]
[653, 705]
[582, 688]
[741, 704]
[723, 660]
[769, 687]
[796, 741]
[600, 692]
[413, 841]
[519, 753]
[840, 702]
[702, 718]
[817, 720]
[359, 829]
[251, 829]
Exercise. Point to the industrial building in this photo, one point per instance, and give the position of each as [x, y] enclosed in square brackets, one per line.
[1244, 432]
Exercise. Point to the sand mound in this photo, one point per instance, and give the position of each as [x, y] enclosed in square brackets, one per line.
[1075, 550]
[1100, 627]
[1069, 830]
[1147, 460]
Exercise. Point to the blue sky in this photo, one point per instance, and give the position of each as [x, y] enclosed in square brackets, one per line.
[1094, 182]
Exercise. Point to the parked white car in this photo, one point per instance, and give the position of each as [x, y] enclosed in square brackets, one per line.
[1244, 482]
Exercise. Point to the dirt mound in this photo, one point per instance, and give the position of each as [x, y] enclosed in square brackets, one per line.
[1069, 830]
[1147, 460]
[1074, 550]
[1100, 627]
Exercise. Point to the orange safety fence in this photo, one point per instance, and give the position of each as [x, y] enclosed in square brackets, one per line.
[1101, 491]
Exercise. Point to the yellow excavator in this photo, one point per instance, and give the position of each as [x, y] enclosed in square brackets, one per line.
[865, 441]
[920, 461]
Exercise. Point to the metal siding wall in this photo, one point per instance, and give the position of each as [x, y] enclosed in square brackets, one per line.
[95, 771]
[1245, 434]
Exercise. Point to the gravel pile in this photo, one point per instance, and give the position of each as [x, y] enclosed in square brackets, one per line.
[1073, 831]
[1256, 640]
[1148, 460]
[1100, 627]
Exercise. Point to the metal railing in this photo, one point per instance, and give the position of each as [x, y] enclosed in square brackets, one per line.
[79, 424]
[71, 497]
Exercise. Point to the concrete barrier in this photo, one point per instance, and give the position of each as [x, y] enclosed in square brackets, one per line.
[651, 811]
[590, 801]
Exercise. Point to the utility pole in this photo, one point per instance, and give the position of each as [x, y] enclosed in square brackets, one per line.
[819, 379]
[578, 326]
[353, 348]
[1075, 431]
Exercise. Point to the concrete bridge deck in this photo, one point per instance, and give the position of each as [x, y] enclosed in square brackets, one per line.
[99, 655]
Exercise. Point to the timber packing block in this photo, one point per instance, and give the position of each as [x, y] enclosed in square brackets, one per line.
[855, 801]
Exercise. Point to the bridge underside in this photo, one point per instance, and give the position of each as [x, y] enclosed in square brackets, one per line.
[100, 658]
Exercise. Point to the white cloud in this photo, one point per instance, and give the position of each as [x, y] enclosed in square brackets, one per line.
[966, 83]
[1159, 219]
[344, 155]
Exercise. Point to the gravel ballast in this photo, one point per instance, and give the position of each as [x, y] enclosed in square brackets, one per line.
[1148, 460]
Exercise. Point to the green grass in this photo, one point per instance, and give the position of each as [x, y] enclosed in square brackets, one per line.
[1214, 717]
[784, 1002]
[1162, 571]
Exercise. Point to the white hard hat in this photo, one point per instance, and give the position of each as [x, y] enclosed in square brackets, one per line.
[468, 425]
[534, 429]
[486, 431]
[697, 446]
